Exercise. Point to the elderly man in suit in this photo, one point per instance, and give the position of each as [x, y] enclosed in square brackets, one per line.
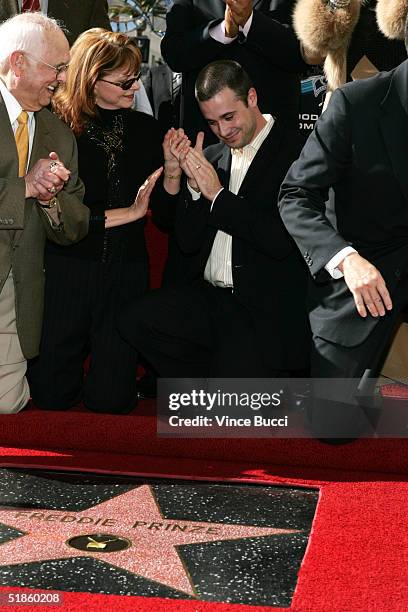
[40, 192]
[75, 16]
[255, 33]
[242, 309]
[359, 264]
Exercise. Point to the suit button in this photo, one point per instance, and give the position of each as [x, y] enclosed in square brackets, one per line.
[397, 272]
[310, 263]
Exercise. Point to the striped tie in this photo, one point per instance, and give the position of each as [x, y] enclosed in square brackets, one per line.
[30, 6]
[22, 142]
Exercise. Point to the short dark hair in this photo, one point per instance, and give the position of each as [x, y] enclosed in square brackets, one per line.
[220, 74]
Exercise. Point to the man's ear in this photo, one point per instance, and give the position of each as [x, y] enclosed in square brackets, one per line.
[16, 61]
[252, 97]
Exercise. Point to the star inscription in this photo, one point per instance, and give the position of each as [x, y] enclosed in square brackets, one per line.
[134, 515]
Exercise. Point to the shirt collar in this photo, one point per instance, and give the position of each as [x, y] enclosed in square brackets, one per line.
[12, 105]
[256, 143]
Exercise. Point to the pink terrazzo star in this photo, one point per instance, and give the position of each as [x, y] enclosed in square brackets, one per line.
[134, 515]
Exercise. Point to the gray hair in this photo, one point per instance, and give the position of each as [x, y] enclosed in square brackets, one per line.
[25, 32]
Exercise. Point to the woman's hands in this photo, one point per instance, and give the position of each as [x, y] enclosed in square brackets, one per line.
[173, 142]
[121, 216]
[139, 207]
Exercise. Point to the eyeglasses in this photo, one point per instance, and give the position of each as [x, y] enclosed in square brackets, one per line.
[58, 69]
[124, 84]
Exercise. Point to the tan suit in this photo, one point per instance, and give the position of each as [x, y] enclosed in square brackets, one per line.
[76, 15]
[24, 226]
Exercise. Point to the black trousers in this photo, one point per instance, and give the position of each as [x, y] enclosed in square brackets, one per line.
[195, 331]
[82, 302]
[347, 407]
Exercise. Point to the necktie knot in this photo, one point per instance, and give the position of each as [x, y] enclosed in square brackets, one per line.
[22, 119]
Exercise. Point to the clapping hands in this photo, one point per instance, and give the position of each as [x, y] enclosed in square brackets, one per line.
[238, 12]
[200, 173]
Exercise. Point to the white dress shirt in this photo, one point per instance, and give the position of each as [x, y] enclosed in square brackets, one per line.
[217, 32]
[218, 269]
[14, 109]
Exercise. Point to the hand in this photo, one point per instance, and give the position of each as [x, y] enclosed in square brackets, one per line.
[231, 28]
[241, 10]
[366, 284]
[182, 151]
[139, 207]
[46, 178]
[173, 142]
[203, 173]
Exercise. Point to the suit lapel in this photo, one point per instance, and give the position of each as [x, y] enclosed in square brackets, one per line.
[394, 124]
[266, 156]
[42, 146]
[8, 149]
[224, 166]
[8, 155]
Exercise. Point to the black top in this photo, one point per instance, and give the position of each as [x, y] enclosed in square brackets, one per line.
[116, 153]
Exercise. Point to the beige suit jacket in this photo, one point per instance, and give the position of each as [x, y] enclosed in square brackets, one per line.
[24, 225]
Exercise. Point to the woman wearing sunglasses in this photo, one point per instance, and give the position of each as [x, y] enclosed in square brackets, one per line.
[120, 161]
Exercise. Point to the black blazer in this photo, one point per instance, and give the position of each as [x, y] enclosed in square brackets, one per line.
[359, 147]
[75, 16]
[270, 55]
[268, 273]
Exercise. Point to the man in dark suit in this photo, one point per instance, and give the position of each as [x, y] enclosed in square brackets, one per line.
[359, 264]
[254, 33]
[76, 17]
[238, 313]
[40, 195]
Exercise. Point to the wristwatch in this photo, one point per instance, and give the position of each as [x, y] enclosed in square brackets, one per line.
[50, 204]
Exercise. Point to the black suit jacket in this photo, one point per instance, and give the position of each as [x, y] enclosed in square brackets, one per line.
[268, 273]
[359, 147]
[270, 55]
[75, 16]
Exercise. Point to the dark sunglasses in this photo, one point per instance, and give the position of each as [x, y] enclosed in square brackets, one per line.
[125, 84]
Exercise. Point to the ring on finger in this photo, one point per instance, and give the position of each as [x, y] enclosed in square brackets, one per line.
[198, 166]
[53, 165]
[52, 190]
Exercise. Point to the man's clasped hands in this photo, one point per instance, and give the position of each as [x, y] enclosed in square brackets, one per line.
[200, 174]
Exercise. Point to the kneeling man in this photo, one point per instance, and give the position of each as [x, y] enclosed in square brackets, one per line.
[242, 311]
